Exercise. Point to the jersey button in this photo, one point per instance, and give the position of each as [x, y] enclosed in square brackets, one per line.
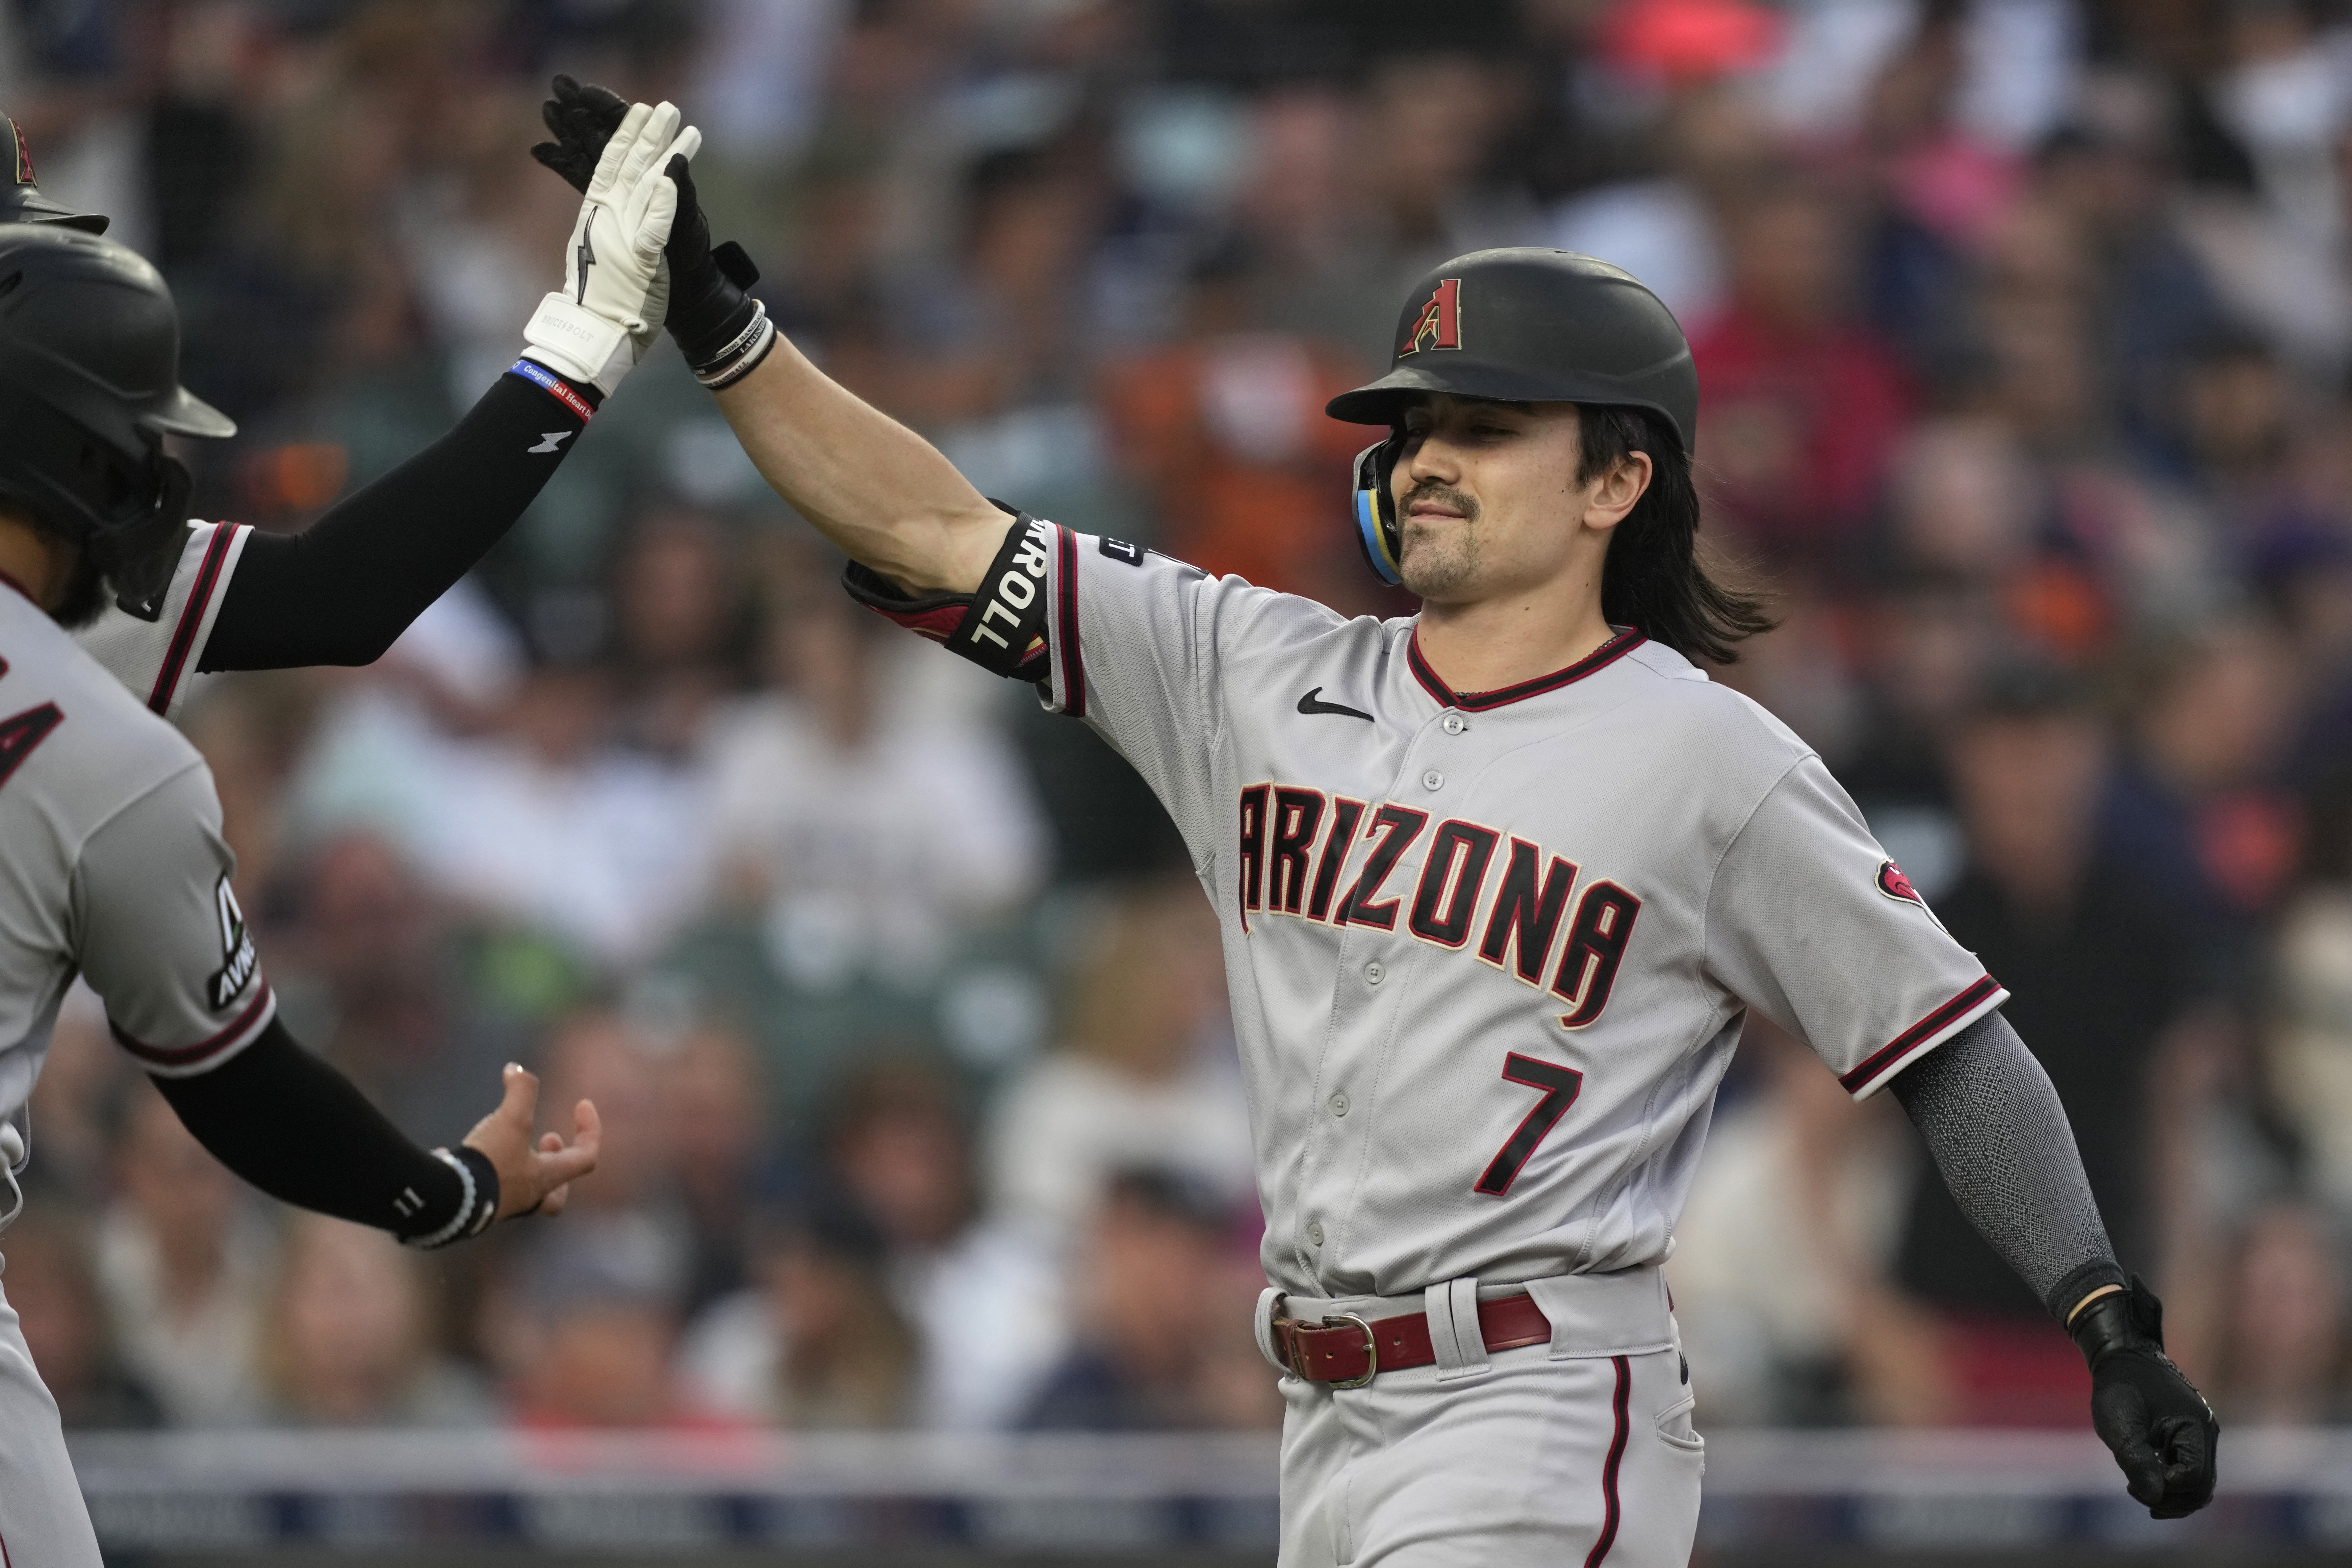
[1453, 724]
[1315, 1234]
[1375, 972]
[1433, 780]
[1340, 1104]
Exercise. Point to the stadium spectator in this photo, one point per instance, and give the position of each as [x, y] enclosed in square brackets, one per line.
[818, 1342]
[983, 1291]
[184, 1270]
[1142, 1073]
[1162, 1321]
[53, 1288]
[349, 1339]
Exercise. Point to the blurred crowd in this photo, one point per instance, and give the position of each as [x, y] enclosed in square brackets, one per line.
[2025, 329]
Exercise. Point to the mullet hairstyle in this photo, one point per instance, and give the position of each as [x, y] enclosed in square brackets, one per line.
[1653, 578]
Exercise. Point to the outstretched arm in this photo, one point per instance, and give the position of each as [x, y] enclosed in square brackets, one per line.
[300, 1130]
[161, 939]
[881, 493]
[342, 589]
[2000, 1138]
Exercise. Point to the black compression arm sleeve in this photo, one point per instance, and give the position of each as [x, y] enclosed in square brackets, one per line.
[2000, 1138]
[343, 589]
[302, 1132]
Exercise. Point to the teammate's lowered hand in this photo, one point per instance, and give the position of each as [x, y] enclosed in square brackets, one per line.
[2160, 1427]
[534, 1177]
[615, 284]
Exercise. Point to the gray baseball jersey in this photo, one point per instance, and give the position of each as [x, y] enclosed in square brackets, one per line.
[1489, 952]
[157, 659]
[115, 870]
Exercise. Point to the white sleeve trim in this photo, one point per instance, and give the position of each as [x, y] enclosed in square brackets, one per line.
[188, 1061]
[1973, 1002]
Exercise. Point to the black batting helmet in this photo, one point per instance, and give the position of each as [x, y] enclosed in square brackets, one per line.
[20, 192]
[90, 385]
[1519, 325]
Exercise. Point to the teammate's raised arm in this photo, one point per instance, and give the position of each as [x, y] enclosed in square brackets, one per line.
[878, 489]
[341, 591]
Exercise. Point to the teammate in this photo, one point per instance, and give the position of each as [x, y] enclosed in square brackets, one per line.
[1498, 883]
[116, 870]
[340, 592]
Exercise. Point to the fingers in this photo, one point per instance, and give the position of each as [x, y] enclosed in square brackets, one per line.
[520, 1103]
[587, 1129]
[651, 232]
[2187, 1466]
[617, 150]
[2142, 1473]
[655, 132]
[562, 1166]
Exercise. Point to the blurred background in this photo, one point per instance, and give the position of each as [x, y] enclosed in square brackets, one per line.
[2023, 328]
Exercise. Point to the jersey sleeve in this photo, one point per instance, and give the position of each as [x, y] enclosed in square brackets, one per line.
[154, 658]
[1141, 645]
[1810, 921]
[159, 933]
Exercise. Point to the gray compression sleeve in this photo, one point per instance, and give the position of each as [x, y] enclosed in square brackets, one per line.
[1999, 1139]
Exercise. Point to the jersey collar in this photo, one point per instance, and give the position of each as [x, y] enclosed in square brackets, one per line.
[12, 583]
[1599, 659]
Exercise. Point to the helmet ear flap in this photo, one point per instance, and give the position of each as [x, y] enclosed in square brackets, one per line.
[139, 555]
[1375, 509]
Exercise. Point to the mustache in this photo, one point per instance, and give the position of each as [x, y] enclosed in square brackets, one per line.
[1430, 489]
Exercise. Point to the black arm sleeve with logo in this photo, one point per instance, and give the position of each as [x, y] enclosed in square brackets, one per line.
[342, 589]
[2001, 1144]
[302, 1132]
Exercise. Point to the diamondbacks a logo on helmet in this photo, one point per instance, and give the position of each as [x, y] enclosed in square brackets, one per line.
[24, 154]
[1440, 323]
[1896, 885]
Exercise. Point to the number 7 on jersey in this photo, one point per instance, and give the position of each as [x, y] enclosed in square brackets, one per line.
[1559, 1085]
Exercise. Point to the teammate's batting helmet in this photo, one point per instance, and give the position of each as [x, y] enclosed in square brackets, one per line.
[89, 384]
[1518, 325]
[20, 194]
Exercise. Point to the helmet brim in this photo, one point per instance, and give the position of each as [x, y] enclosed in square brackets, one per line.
[1382, 402]
[31, 207]
[187, 415]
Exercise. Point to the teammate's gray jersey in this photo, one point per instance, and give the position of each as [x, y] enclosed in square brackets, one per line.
[1489, 954]
[157, 659]
[114, 868]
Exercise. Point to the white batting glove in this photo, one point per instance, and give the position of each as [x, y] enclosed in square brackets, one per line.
[615, 283]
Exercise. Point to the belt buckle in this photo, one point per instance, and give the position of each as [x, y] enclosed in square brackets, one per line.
[1371, 1350]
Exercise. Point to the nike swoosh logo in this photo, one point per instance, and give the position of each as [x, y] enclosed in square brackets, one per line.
[1308, 704]
[548, 441]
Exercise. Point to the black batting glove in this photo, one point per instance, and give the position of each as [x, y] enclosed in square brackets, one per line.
[583, 117]
[709, 306]
[2160, 1428]
[710, 310]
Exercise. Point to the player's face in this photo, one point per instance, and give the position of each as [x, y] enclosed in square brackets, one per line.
[1489, 504]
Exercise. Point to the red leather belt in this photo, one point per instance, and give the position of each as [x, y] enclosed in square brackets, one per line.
[1348, 1352]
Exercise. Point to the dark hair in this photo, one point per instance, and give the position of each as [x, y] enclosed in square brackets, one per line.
[1653, 578]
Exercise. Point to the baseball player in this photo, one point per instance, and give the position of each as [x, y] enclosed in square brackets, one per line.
[1499, 883]
[115, 870]
[231, 597]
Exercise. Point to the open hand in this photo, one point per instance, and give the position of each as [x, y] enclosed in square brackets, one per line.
[582, 117]
[534, 1177]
